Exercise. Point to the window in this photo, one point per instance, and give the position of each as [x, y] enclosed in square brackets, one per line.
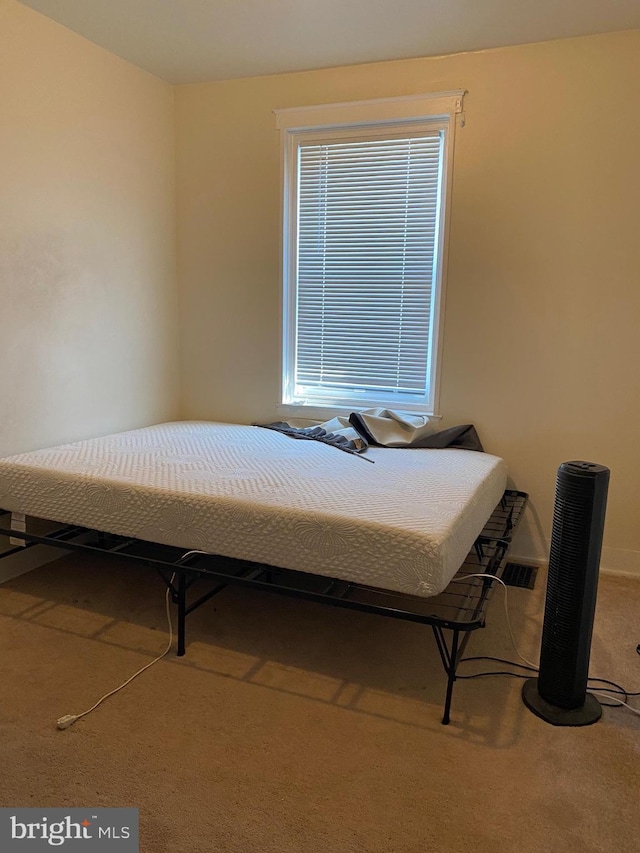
[366, 188]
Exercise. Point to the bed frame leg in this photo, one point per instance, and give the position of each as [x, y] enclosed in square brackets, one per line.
[182, 612]
[450, 662]
[451, 673]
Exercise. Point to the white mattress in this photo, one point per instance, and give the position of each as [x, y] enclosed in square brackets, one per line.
[405, 523]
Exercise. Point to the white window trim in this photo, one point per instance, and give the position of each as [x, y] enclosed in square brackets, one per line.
[438, 106]
[378, 111]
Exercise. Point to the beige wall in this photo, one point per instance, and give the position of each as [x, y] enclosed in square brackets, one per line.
[541, 347]
[88, 331]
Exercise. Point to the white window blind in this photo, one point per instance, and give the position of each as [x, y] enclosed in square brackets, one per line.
[368, 219]
[366, 185]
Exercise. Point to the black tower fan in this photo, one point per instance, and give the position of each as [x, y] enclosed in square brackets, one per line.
[559, 694]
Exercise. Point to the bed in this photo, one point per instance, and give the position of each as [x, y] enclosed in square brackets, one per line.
[298, 517]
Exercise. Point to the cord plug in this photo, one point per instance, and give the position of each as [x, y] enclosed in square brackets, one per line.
[67, 720]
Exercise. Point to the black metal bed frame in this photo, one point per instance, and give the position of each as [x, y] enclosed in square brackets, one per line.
[460, 609]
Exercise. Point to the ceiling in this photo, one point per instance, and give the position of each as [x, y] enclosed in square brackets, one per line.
[187, 41]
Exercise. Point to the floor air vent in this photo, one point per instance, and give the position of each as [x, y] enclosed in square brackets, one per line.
[518, 574]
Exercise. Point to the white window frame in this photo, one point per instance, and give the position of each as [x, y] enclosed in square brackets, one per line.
[435, 111]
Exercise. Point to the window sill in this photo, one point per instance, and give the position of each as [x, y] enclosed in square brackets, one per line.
[317, 412]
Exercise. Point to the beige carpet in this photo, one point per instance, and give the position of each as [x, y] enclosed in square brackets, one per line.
[295, 727]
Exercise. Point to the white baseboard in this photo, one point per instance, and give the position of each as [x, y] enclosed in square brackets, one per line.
[620, 561]
[614, 561]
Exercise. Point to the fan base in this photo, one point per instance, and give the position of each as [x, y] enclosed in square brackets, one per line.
[585, 715]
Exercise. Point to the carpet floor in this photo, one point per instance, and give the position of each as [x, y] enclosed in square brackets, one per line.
[290, 726]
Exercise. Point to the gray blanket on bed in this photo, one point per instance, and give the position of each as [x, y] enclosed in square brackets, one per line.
[382, 428]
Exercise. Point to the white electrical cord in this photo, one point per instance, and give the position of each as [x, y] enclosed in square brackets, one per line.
[70, 719]
[615, 699]
[191, 553]
[506, 611]
[522, 657]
